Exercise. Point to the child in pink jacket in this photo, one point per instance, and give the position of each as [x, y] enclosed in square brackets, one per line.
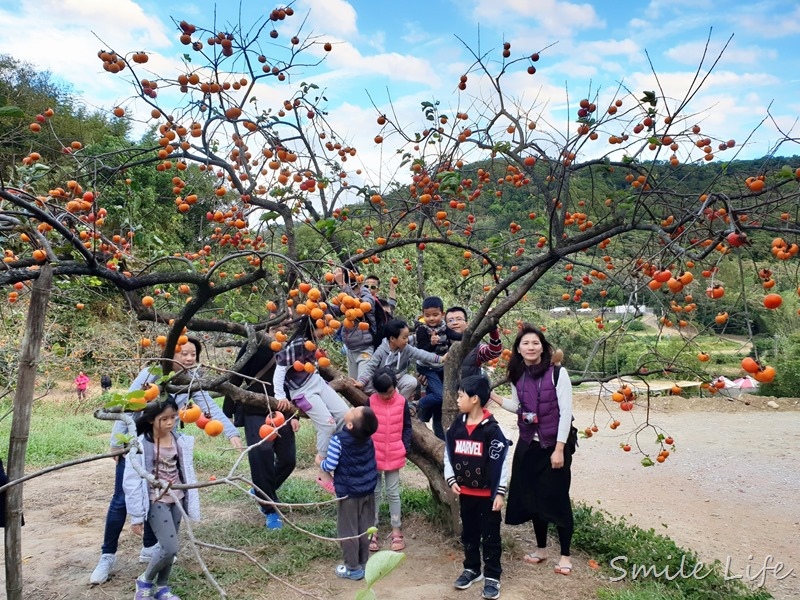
[81, 383]
[392, 442]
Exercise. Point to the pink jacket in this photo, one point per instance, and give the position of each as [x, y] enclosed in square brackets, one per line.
[390, 452]
[81, 381]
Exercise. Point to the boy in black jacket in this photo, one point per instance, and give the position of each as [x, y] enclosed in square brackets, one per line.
[431, 336]
[475, 468]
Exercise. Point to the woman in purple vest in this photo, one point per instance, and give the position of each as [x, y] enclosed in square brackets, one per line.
[541, 395]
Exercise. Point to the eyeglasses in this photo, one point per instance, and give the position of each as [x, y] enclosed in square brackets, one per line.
[455, 319]
[373, 287]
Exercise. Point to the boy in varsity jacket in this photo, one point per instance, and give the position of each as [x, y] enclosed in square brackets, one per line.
[475, 468]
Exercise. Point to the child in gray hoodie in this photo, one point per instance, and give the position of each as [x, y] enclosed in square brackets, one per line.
[397, 354]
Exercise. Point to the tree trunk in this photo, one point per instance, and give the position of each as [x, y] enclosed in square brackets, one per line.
[427, 452]
[20, 427]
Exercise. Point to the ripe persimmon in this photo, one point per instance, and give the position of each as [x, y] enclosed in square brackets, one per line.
[213, 428]
[750, 365]
[190, 413]
[773, 301]
[276, 419]
[267, 431]
[152, 392]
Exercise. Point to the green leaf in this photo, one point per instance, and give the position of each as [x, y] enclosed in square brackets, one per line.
[135, 405]
[647, 462]
[116, 400]
[121, 438]
[649, 98]
[381, 564]
[427, 104]
[187, 58]
[134, 395]
[12, 112]
[366, 594]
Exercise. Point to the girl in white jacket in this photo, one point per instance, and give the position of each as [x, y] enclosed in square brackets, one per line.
[168, 458]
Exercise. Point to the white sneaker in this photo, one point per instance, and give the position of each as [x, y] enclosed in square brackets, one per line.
[103, 568]
[147, 553]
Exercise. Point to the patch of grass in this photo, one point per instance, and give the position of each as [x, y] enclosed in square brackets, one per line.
[606, 539]
[306, 441]
[646, 591]
[421, 502]
[57, 435]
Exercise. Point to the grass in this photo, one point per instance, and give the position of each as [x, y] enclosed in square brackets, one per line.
[58, 433]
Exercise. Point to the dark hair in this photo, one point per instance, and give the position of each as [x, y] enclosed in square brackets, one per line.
[304, 328]
[453, 309]
[393, 328]
[365, 425]
[168, 366]
[516, 366]
[476, 385]
[432, 302]
[375, 277]
[383, 380]
[197, 346]
[144, 422]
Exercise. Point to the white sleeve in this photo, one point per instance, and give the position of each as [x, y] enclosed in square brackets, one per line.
[278, 379]
[135, 491]
[564, 393]
[511, 404]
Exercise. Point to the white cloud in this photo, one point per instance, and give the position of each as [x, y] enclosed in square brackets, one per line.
[691, 52]
[554, 16]
[66, 46]
[331, 17]
[769, 21]
[346, 63]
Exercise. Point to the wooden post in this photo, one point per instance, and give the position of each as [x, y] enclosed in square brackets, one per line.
[20, 427]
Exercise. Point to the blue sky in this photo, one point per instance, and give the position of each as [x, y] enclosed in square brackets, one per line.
[408, 50]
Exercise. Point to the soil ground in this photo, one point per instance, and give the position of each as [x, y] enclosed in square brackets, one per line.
[729, 492]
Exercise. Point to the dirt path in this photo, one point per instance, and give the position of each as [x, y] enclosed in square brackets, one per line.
[730, 490]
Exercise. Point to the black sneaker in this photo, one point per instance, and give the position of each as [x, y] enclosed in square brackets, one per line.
[466, 579]
[491, 588]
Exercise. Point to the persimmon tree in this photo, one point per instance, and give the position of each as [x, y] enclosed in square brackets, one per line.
[608, 201]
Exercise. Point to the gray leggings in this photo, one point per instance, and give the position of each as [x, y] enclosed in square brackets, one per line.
[164, 519]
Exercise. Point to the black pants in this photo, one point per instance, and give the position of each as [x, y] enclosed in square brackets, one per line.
[271, 463]
[480, 525]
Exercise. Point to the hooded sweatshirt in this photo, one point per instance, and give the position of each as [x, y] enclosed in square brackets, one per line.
[397, 360]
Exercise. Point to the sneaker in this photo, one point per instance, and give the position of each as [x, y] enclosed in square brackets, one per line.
[467, 578]
[345, 573]
[491, 588]
[145, 554]
[144, 589]
[164, 593]
[103, 568]
[274, 521]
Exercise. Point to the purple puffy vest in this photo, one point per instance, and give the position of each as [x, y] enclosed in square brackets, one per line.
[538, 396]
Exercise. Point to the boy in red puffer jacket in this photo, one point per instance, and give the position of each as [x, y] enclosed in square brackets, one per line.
[392, 443]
